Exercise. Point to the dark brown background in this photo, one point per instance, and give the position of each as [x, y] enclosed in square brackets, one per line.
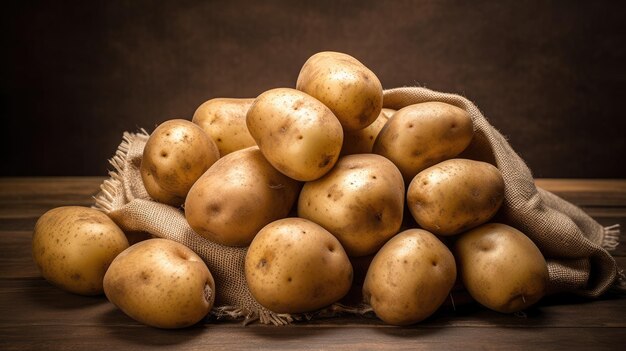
[75, 75]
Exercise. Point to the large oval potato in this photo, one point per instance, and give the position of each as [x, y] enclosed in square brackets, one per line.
[237, 196]
[360, 201]
[501, 267]
[160, 283]
[293, 266]
[409, 278]
[297, 134]
[224, 120]
[176, 154]
[73, 246]
[455, 195]
[421, 135]
[351, 90]
[362, 141]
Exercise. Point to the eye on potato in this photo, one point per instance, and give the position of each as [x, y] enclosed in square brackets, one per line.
[237, 196]
[455, 195]
[73, 246]
[501, 267]
[351, 90]
[421, 135]
[409, 278]
[360, 201]
[294, 266]
[160, 283]
[224, 120]
[176, 154]
[297, 134]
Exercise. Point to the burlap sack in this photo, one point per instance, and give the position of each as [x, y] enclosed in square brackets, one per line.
[574, 244]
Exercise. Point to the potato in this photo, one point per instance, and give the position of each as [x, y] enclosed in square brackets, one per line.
[360, 201]
[297, 134]
[176, 154]
[293, 266]
[421, 135]
[362, 141]
[455, 195]
[238, 196]
[224, 120]
[409, 278]
[73, 246]
[351, 90]
[501, 267]
[160, 283]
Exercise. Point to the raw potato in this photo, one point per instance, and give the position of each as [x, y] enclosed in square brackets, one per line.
[224, 120]
[297, 134]
[238, 196]
[455, 195]
[293, 266]
[421, 135]
[73, 246]
[360, 201]
[345, 85]
[176, 154]
[501, 267]
[409, 278]
[362, 141]
[161, 283]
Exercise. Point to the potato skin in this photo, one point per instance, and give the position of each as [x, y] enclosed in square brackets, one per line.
[455, 195]
[224, 120]
[501, 267]
[360, 201]
[409, 278]
[297, 134]
[161, 283]
[237, 196]
[73, 246]
[176, 154]
[362, 141]
[294, 266]
[351, 90]
[421, 135]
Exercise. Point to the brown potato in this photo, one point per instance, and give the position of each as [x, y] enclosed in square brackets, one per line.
[351, 90]
[360, 201]
[409, 278]
[362, 141]
[421, 135]
[224, 120]
[501, 267]
[176, 154]
[73, 246]
[455, 195]
[161, 283]
[237, 196]
[297, 134]
[293, 266]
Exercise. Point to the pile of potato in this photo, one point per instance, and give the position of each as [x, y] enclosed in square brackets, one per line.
[312, 180]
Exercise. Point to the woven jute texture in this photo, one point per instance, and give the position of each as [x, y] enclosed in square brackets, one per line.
[575, 246]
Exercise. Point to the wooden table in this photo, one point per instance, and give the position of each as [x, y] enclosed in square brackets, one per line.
[35, 315]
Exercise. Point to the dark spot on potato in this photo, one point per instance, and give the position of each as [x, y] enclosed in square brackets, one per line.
[289, 279]
[213, 208]
[374, 177]
[300, 137]
[331, 248]
[434, 263]
[262, 263]
[163, 153]
[325, 161]
[297, 104]
[219, 140]
[410, 125]
[76, 276]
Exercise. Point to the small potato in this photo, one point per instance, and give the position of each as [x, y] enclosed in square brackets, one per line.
[176, 154]
[501, 267]
[351, 90]
[455, 195]
[238, 196]
[224, 120]
[160, 283]
[360, 201]
[297, 134]
[362, 141]
[409, 278]
[421, 135]
[73, 246]
[294, 266]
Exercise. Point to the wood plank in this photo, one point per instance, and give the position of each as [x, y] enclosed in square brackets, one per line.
[588, 192]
